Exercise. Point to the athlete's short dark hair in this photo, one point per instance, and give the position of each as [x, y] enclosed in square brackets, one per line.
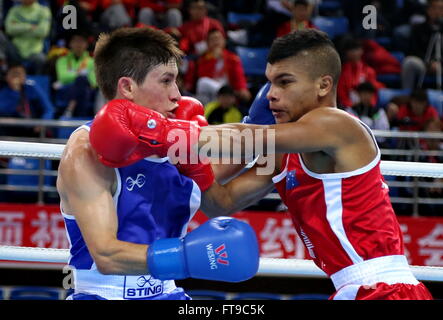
[314, 46]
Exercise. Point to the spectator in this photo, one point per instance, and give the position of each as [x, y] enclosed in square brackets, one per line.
[412, 13]
[263, 32]
[354, 72]
[193, 33]
[380, 59]
[117, 13]
[301, 18]
[28, 25]
[367, 111]
[434, 192]
[22, 98]
[224, 109]
[76, 77]
[216, 68]
[416, 114]
[416, 65]
[373, 116]
[161, 14]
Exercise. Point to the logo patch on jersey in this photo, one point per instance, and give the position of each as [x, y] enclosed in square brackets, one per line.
[142, 287]
[291, 180]
[217, 256]
[307, 243]
[139, 181]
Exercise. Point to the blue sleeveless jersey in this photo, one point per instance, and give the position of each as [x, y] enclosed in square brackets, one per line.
[153, 201]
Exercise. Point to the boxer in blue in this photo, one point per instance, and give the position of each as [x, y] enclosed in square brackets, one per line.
[127, 223]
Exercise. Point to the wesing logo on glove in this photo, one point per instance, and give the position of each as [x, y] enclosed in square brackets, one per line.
[217, 256]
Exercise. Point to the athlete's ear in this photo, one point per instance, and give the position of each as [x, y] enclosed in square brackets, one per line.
[325, 85]
[126, 87]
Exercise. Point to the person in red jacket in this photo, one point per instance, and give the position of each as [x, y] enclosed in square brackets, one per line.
[301, 18]
[193, 33]
[415, 115]
[354, 72]
[215, 68]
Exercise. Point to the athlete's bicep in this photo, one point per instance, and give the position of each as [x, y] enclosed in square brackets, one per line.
[308, 134]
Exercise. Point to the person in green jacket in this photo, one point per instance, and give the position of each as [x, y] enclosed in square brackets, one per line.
[224, 109]
[28, 25]
[76, 80]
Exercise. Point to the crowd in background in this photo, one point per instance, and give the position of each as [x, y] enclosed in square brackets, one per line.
[36, 49]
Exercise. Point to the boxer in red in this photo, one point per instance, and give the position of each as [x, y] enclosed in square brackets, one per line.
[327, 171]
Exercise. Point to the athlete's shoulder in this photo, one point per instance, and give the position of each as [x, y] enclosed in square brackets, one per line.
[79, 157]
[329, 113]
[334, 119]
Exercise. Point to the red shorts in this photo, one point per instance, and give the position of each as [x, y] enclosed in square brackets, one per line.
[383, 291]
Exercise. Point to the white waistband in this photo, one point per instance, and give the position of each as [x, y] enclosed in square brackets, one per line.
[387, 269]
[116, 287]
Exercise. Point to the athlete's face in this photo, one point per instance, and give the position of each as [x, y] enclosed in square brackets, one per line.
[159, 90]
[293, 92]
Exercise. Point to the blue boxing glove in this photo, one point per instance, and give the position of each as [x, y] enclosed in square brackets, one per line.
[222, 249]
[259, 112]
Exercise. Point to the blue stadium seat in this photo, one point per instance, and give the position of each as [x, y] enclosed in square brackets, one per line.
[236, 18]
[330, 5]
[27, 164]
[256, 296]
[2, 293]
[400, 3]
[384, 42]
[254, 60]
[392, 80]
[435, 98]
[35, 293]
[310, 296]
[64, 133]
[399, 55]
[393, 191]
[207, 295]
[333, 26]
[385, 95]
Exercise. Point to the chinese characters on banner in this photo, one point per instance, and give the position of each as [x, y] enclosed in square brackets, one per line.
[43, 226]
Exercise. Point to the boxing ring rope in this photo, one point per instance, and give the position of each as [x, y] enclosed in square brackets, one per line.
[271, 267]
[268, 266]
[54, 151]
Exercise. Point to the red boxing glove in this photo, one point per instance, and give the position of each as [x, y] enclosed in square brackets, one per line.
[123, 133]
[191, 109]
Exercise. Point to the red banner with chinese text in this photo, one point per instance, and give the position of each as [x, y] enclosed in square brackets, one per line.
[43, 226]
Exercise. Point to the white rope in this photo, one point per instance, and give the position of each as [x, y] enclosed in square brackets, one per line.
[54, 151]
[296, 268]
[31, 254]
[31, 149]
[411, 169]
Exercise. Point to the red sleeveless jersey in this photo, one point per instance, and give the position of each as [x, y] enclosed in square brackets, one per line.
[342, 218]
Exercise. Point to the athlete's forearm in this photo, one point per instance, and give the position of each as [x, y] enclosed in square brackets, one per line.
[122, 258]
[241, 142]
